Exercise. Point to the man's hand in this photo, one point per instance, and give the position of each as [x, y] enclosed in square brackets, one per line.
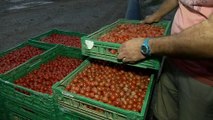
[165, 8]
[130, 51]
[151, 19]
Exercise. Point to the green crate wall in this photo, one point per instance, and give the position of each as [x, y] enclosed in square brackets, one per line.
[16, 111]
[66, 114]
[2, 109]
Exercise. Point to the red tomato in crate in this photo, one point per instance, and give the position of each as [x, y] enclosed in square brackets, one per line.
[42, 79]
[112, 84]
[67, 40]
[124, 32]
[17, 57]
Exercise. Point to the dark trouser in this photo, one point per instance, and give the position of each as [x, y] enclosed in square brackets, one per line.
[133, 10]
[180, 97]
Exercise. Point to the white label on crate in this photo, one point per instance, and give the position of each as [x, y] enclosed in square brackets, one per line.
[89, 44]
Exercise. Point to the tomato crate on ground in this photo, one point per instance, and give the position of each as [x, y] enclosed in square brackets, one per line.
[17, 111]
[24, 53]
[55, 36]
[93, 47]
[22, 86]
[98, 108]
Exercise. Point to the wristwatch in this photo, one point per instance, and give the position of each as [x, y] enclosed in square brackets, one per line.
[145, 48]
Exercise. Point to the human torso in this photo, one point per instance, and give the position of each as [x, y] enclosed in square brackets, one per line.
[191, 12]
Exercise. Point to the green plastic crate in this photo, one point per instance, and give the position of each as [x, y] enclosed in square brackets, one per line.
[16, 111]
[38, 38]
[2, 109]
[30, 61]
[3, 115]
[39, 101]
[75, 103]
[65, 114]
[100, 49]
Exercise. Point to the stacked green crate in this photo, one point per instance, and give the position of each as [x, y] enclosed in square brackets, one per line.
[2, 108]
[39, 38]
[34, 103]
[76, 104]
[45, 48]
[17, 111]
[65, 114]
[97, 49]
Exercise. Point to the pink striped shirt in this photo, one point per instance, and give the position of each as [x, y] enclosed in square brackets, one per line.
[191, 12]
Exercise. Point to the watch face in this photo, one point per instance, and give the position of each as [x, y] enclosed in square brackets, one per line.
[144, 49]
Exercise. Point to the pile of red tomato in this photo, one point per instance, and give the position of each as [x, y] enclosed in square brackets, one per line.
[17, 57]
[117, 85]
[42, 79]
[124, 32]
[73, 41]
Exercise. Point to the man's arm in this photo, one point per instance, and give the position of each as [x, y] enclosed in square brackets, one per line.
[166, 7]
[196, 41]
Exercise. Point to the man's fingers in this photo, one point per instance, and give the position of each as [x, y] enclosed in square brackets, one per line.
[121, 52]
[146, 19]
[142, 22]
[121, 48]
[121, 55]
[125, 60]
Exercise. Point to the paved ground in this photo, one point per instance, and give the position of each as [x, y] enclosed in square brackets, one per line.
[23, 19]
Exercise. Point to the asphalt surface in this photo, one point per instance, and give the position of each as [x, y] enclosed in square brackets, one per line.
[24, 19]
